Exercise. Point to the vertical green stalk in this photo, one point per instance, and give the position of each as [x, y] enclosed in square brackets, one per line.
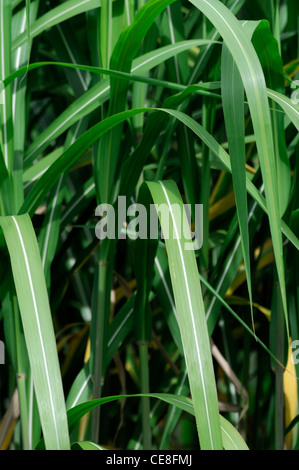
[145, 401]
[105, 33]
[205, 174]
[98, 326]
[276, 21]
[5, 70]
[100, 320]
[138, 95]
[143, 255]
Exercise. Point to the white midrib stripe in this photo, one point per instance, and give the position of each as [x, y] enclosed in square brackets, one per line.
[80, 391]
[234, 34]
[120, 327]
[160, 54]
[284, 103]
[49, 225]
[90, 188]
[173, 42]
[177, 400]
[36, 177]
[96, 446]
[54, 18]
[251, 67]
[259, 107]
[38, 327]
[229, 437]
[78, 71]
[197, 66]
[192, 315]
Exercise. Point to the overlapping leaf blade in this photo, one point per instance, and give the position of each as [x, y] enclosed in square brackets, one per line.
[38, 328]
[252, 75]
[191, 315]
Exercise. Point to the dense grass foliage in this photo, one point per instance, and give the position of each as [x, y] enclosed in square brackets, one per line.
[142, 343]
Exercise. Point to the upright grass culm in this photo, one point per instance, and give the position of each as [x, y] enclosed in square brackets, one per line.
[119, 122]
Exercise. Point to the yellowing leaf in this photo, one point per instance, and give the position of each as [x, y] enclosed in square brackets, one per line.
[290, 387]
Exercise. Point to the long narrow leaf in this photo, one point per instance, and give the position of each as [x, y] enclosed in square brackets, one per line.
[232, 440]
[191, 317]
[233, 109]
[38, 328]
[55, 16]
[252, 75]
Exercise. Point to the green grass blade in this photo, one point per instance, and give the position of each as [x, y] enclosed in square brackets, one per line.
[5, 188]
[203, 88]
[173, 29]
[34, 172]
[143, 255]
[94, 97]
[234, 314]
[81, 389]
[163, 289]
[107, 158]
[21, 22]
[38, 328]
[234, 6]
[48, 179]
[290, 108]
[254, 83]
[220, 153]
[68, 50]
[191, 315]
[231, 438]
[230, 258]
[57, 15]
[269, 55]
[141, 64]
[233, 109]
[48, 236]
[127, 47]
[174, 413]
[119, 329]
